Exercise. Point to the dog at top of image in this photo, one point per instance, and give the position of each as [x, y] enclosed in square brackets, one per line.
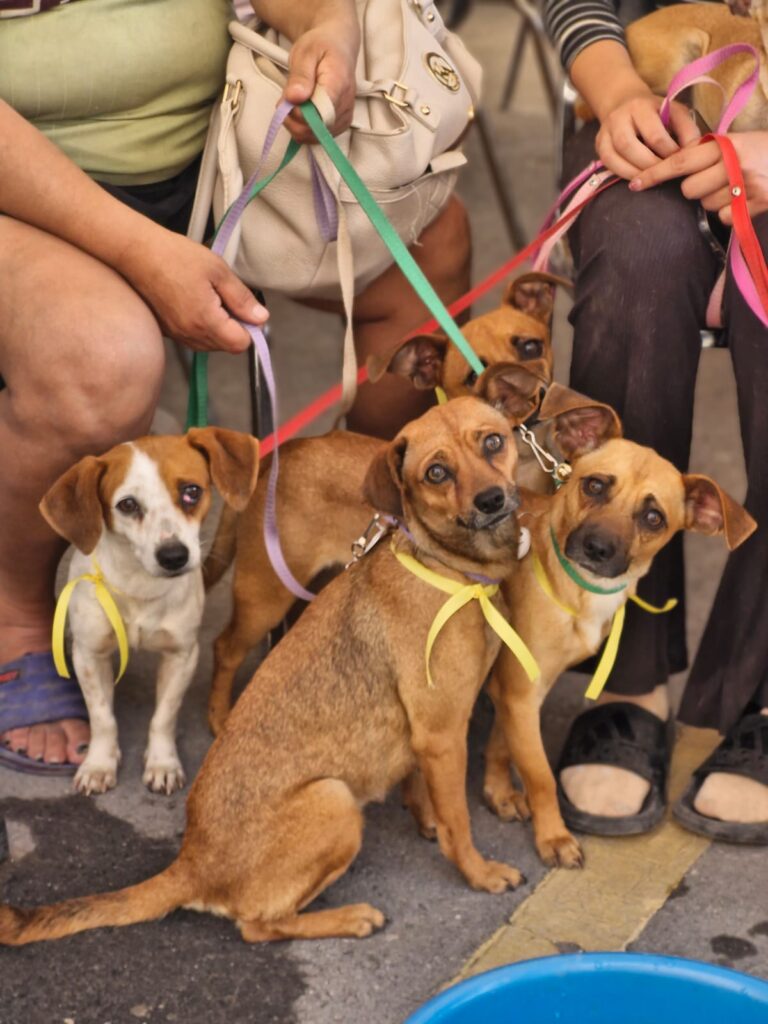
[663, 42]
[134, 516]
[341, 710]
[320, 506]
[622, 503]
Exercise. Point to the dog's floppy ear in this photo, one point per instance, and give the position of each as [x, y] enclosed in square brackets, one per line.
[233, 458]
[534, 294]
[382, 487]
[581, 423]
[512, 389]
[72, 506]
[708, 509]
[420, 359]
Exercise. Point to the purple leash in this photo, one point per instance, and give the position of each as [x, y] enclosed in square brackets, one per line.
[327, 219]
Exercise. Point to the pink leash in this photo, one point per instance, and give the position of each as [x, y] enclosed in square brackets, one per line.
[596, 175]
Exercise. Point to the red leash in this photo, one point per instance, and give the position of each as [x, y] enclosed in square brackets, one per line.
[742, 223]
[330, 398]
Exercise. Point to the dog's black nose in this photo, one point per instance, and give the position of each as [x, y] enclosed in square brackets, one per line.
[172, 556]
[598, 547]
[490, 500]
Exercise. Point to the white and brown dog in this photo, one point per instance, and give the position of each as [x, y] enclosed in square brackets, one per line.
[134, 516]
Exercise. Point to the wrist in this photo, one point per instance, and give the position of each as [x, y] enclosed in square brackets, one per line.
[605, 77]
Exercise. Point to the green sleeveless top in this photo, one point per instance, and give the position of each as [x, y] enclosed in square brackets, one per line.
[124, 87]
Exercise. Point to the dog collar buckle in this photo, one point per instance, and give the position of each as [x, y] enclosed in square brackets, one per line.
[559, 471]
[378, 527]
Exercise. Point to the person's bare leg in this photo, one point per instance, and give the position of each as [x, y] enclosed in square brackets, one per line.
[389, 308]
[82, 360]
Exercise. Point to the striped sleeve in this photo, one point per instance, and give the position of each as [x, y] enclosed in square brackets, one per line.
[575, 24]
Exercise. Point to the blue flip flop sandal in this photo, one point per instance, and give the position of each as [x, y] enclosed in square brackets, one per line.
[35, 694]
[744, 751]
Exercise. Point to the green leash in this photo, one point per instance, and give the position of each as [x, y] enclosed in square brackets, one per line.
[197, 409]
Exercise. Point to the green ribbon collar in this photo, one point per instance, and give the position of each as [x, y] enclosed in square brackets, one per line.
[570, 570]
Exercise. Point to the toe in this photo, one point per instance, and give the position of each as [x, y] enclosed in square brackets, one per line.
[55, 750]
[78, 735]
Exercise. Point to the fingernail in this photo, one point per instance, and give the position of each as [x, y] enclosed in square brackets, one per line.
[635, 185]
[55, 760]
[259, 313]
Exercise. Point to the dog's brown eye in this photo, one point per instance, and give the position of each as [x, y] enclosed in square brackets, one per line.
[653, 519]
[493, 443]
[436, 473]
[190, 495]
[593, 486]
[528, 348]
[128, 507]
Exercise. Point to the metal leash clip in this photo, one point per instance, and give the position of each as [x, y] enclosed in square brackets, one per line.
[378, 527]
[559, 471]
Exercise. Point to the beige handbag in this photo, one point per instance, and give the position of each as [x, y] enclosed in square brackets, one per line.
[416, 90]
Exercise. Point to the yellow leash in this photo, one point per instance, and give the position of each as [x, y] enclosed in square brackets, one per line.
[110, 609]
[611, 649]
[463, 593]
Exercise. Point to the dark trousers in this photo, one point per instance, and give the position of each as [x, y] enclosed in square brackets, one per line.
[645, 273]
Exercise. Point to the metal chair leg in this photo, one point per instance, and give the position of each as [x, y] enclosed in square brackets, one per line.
[531, 25]
[503, 193]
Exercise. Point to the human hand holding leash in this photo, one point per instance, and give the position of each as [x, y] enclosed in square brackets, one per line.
[705, 176]
[326, 40]
[195, 296]
[632, 136]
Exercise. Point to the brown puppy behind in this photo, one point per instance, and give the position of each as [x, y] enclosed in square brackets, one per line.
[517, 332]
[665, 41]
[340, 711]
[321, 509]
[621, 505]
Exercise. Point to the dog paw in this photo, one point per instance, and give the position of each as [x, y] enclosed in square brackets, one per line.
[507, 802]
[496, 877]
[560, 851]
[93, 778]
[359, 920]
[164, 776]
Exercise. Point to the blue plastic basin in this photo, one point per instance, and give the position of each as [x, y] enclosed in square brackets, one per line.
[602, 988]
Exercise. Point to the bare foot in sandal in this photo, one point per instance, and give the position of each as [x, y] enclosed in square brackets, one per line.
[728, 796]
[30, 691]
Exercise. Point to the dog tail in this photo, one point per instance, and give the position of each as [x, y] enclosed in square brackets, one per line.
[146, 901]
[223, 549]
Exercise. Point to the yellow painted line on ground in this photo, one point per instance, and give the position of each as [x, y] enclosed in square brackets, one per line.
[624, 882]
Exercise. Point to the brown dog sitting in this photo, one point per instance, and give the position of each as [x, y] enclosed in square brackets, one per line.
[341, 710]
[621, 505]
[321, 509]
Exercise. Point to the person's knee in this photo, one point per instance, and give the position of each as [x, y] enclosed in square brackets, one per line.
[104, 384]
[638, 245]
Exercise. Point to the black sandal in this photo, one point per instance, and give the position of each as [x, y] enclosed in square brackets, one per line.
[744, 751]
[622, 735]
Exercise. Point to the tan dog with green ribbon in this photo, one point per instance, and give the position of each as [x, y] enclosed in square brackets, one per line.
[134, 515]
[342, 708]
[591, 541]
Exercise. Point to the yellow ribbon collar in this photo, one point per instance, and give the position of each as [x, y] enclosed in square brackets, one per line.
[611, 649]
[107, 602]
[461, 594]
